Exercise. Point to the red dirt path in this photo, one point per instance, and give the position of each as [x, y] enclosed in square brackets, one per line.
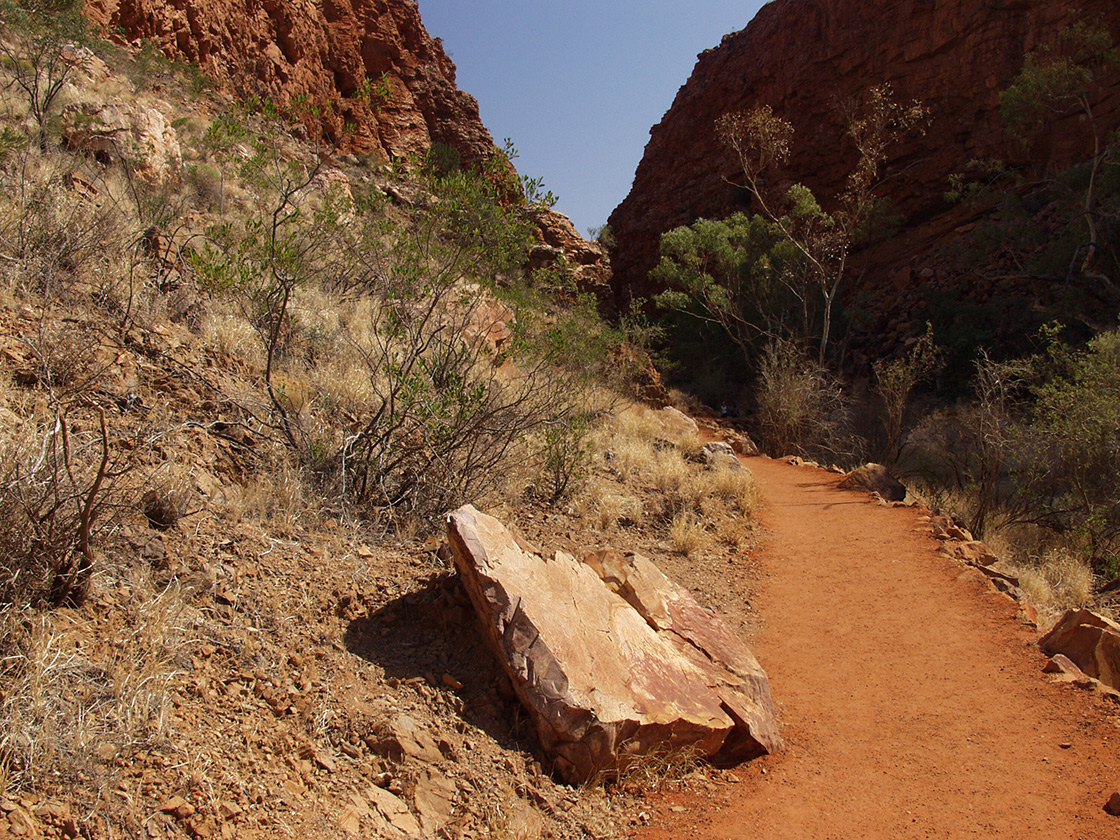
[911, 698]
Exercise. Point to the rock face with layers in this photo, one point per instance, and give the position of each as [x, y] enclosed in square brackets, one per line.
[558, 244]
[611, 659]
[803, 57]
[138, 134]
[366, 64]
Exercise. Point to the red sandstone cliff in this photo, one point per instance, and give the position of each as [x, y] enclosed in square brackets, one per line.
[324, 50]
[328, 51]
[801, 56]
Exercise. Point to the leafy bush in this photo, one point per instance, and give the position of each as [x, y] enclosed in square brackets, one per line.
[566, 456]
[761, 140]
[741, 274]
[974, 448]
[894, 380]
[41, 57]
[459, 359]
[1073, 481]
[442, 160]
[1038, 443]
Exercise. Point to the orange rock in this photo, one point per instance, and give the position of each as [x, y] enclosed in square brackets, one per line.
[608, 675]
[874, 478]
[1113, 805]
[975, 551]
[372, 76]
[1091, 641]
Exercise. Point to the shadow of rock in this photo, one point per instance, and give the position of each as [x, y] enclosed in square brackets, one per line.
[432, 635]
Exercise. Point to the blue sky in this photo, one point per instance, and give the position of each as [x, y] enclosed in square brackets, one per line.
[577, 84]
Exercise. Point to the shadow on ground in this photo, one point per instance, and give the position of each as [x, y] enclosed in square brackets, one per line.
[433, 632]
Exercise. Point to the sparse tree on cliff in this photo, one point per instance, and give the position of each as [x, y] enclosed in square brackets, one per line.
[1056, 81]
[825, 239]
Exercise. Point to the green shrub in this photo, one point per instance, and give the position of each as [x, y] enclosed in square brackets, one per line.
[894, 380]
[1037, 444]
[566, 456]
[1073, 482]
[459, 359]
[38, 56]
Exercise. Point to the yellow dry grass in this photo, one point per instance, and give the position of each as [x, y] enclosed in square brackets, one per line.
[687, 533]
[1051, 573]
[737, 487]
[228, 333]
[607, 508]
[72, 703]
[1057, 580]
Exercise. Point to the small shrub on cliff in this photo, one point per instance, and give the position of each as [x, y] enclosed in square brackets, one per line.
[38, 55]
[1056, 234]
[761, 140]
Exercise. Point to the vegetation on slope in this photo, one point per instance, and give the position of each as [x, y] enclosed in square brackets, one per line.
[241, 381]
[1016, 430]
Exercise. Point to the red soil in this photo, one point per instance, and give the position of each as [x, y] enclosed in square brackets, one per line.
[912, 698]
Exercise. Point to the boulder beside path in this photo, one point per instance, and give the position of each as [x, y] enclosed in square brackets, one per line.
[611, 659]
[1090, 641]
[874, 478]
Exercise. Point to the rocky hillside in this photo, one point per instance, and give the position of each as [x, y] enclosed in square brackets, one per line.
[364, 72]
[201, 633]
[804, 57]
[361, 75]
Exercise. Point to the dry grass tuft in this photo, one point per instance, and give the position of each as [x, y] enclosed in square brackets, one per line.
[231, 335]
[1051, 573]
[671, 474]
[638, 421]
[77, 696]
[691, 447]
[653, 770]
[278, 497]
[607, 509]
[629, 457]
[736, 532]
[1058, 580]
[697, 504]
[737, 487]
[687, 533]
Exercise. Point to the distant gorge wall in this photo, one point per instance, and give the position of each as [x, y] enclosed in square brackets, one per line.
[802, 57]
[325, 51]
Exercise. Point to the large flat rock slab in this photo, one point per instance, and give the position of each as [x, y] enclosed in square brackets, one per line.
[611, 660]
